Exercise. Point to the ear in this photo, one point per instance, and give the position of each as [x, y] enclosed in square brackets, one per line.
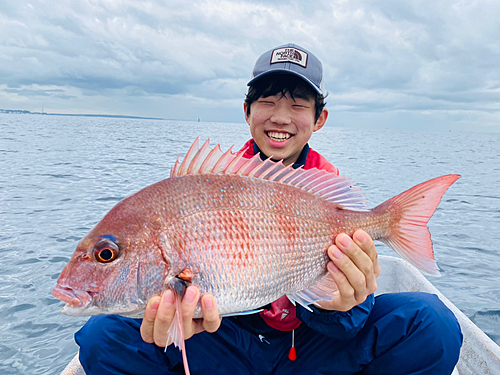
[245, 110]
[321, 120]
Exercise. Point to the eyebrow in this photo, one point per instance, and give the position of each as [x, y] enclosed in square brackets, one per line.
[298, 94]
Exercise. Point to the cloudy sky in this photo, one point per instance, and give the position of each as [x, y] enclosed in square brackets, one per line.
[388, 63]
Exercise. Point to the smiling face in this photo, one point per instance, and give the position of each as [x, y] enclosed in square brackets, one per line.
[282, 124]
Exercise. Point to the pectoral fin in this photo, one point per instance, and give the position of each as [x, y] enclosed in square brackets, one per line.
[176, 330]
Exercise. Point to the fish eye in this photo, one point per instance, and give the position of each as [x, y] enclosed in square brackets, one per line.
[106, 251]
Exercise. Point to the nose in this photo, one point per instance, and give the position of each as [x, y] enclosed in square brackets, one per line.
[281, 115]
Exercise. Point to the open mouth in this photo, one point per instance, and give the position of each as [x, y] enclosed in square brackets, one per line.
[278, 136]
[73, 298]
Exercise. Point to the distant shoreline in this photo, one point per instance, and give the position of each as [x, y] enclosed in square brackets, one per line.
[25, 112]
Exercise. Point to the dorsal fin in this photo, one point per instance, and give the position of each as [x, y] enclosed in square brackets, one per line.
[199, 158]
[193, 150]
[328, 186]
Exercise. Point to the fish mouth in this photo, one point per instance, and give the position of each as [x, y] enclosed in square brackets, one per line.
[75, 299]
[83, 303]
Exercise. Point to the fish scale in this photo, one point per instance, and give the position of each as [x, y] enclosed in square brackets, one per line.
[289, 237]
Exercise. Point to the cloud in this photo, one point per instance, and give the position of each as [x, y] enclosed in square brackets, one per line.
[378, 57]
[39, 92]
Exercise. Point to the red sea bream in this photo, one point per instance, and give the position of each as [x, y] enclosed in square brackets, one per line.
[246, 231]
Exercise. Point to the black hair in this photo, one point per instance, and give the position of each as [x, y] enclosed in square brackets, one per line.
[276, 83]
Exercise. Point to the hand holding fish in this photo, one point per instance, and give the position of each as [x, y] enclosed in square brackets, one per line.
[354, 267]
[159, 316]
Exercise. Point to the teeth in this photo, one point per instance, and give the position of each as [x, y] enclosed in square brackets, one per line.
[278, 136]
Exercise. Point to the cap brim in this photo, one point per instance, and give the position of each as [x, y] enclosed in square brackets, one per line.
[286, 71]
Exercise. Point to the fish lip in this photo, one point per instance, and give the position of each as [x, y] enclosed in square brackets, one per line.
[75, 299]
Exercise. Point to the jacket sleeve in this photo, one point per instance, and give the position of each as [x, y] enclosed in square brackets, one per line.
[341, 325]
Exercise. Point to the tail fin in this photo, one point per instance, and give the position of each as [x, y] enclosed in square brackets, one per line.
[410, 237]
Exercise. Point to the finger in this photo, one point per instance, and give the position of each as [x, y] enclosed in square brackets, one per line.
[188, 306]
[352, 261]
[164, 318]
[361, 251]
[148, 322]
[211, 319]
[359, 257]
[345, 299]
[365, 243]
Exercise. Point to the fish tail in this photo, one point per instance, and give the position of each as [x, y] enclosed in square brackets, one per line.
[409, 235]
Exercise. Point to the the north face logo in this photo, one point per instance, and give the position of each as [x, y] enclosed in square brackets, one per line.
[289, 54]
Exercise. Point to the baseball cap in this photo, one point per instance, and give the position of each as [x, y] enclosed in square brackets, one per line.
[291, 59]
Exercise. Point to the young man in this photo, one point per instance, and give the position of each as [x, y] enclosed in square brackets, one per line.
[406, 333]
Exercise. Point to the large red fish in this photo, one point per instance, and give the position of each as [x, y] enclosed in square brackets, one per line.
[244, 230]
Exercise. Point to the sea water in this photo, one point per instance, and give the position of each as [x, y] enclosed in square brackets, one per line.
[59, 175]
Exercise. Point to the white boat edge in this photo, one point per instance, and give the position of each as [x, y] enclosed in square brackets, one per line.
[480, 355]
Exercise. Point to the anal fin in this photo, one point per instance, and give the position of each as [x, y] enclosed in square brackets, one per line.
[322, 291]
